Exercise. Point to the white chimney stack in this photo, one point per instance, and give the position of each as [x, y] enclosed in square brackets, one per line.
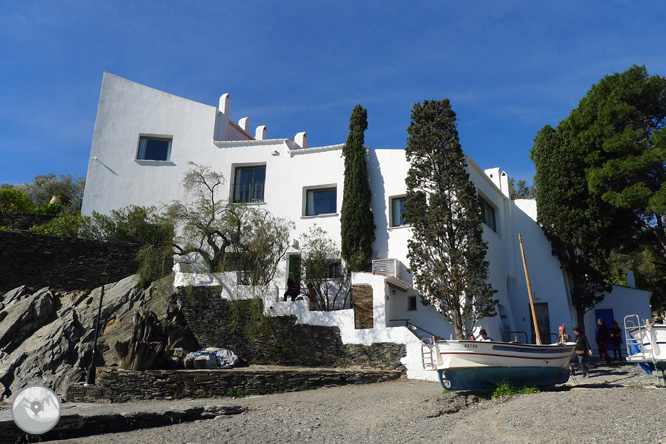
[301, 140]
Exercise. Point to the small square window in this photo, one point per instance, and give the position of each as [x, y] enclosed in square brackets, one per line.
[320, 201]
[488, 214]
[411, 303]
[154, 148]
[398, 211]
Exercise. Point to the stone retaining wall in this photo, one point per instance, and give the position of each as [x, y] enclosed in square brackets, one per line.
[116, 385]
[37, 260]
[23, 221]
[241, 327]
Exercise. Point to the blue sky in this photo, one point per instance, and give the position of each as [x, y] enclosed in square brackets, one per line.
[508, 67]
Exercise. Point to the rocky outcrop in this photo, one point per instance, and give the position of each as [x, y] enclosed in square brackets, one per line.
[46, 337]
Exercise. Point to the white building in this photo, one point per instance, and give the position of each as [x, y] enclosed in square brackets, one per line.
[144, 140]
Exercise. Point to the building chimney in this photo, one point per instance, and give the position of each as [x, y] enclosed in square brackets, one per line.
[301, 139]
[222, 119]
[260, 133]
[245, 124]
[224, 104]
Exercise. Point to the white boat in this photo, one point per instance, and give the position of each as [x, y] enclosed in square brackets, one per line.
[646, 343]
[479, 365]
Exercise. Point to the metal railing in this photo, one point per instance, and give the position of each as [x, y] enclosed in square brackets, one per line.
[248, 192]
[414, 328]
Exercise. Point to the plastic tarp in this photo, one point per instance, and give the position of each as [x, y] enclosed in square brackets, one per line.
[211, 358]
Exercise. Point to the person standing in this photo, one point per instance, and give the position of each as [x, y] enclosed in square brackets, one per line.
[603, 340]
[582, 349]
[616, 340]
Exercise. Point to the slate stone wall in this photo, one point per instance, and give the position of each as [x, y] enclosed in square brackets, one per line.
[362, 303]
[126, 385]
[23, 221]
[241, 327]
[38, 260]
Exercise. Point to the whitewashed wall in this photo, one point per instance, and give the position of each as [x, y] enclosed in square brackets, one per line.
[207, 135]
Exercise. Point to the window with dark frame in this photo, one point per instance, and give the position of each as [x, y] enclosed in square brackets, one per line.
[320, 201]
[398, 211]
[334, 270]
[154, 148]
[249, 184]
[488, 214]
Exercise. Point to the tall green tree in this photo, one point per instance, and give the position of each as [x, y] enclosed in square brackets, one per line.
[576, 222]
[618, 131]
[356, 220]
[446, 252]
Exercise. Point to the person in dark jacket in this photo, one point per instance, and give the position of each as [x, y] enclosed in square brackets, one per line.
[603, 340]
[582, 349]
[292, 288]
[616, 340]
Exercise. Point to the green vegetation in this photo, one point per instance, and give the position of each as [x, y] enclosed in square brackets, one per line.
[521, 190]
[64, 226]
[446, 252]
[601, 184]
[49, 194]
[237, 392]
[212, 228]
[357, 227]
[505, 389]
[320, 266]
[12, 200]
[250, 316]
[572, 218]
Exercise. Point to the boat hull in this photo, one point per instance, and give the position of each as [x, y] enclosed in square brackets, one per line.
[471, 365]
[484, 378]
[647, 346]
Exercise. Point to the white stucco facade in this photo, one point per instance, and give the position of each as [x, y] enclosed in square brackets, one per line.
[206, 135]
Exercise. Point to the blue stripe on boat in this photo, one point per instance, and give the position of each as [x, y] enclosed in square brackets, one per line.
[522, 349]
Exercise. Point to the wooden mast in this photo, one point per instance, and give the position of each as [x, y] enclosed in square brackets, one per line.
[529, 290]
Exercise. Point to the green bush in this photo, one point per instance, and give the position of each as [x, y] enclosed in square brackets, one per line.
[64, 226]
[48, 208]
[13, 200]
[505, 389]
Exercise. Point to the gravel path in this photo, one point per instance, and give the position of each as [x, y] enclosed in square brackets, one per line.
[617, 404]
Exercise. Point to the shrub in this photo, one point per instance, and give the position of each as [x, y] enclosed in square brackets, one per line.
[64, 226]
[505, 389]
[15, 201]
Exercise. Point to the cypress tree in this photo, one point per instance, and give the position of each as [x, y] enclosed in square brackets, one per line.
[356, 220]
[446, 252]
